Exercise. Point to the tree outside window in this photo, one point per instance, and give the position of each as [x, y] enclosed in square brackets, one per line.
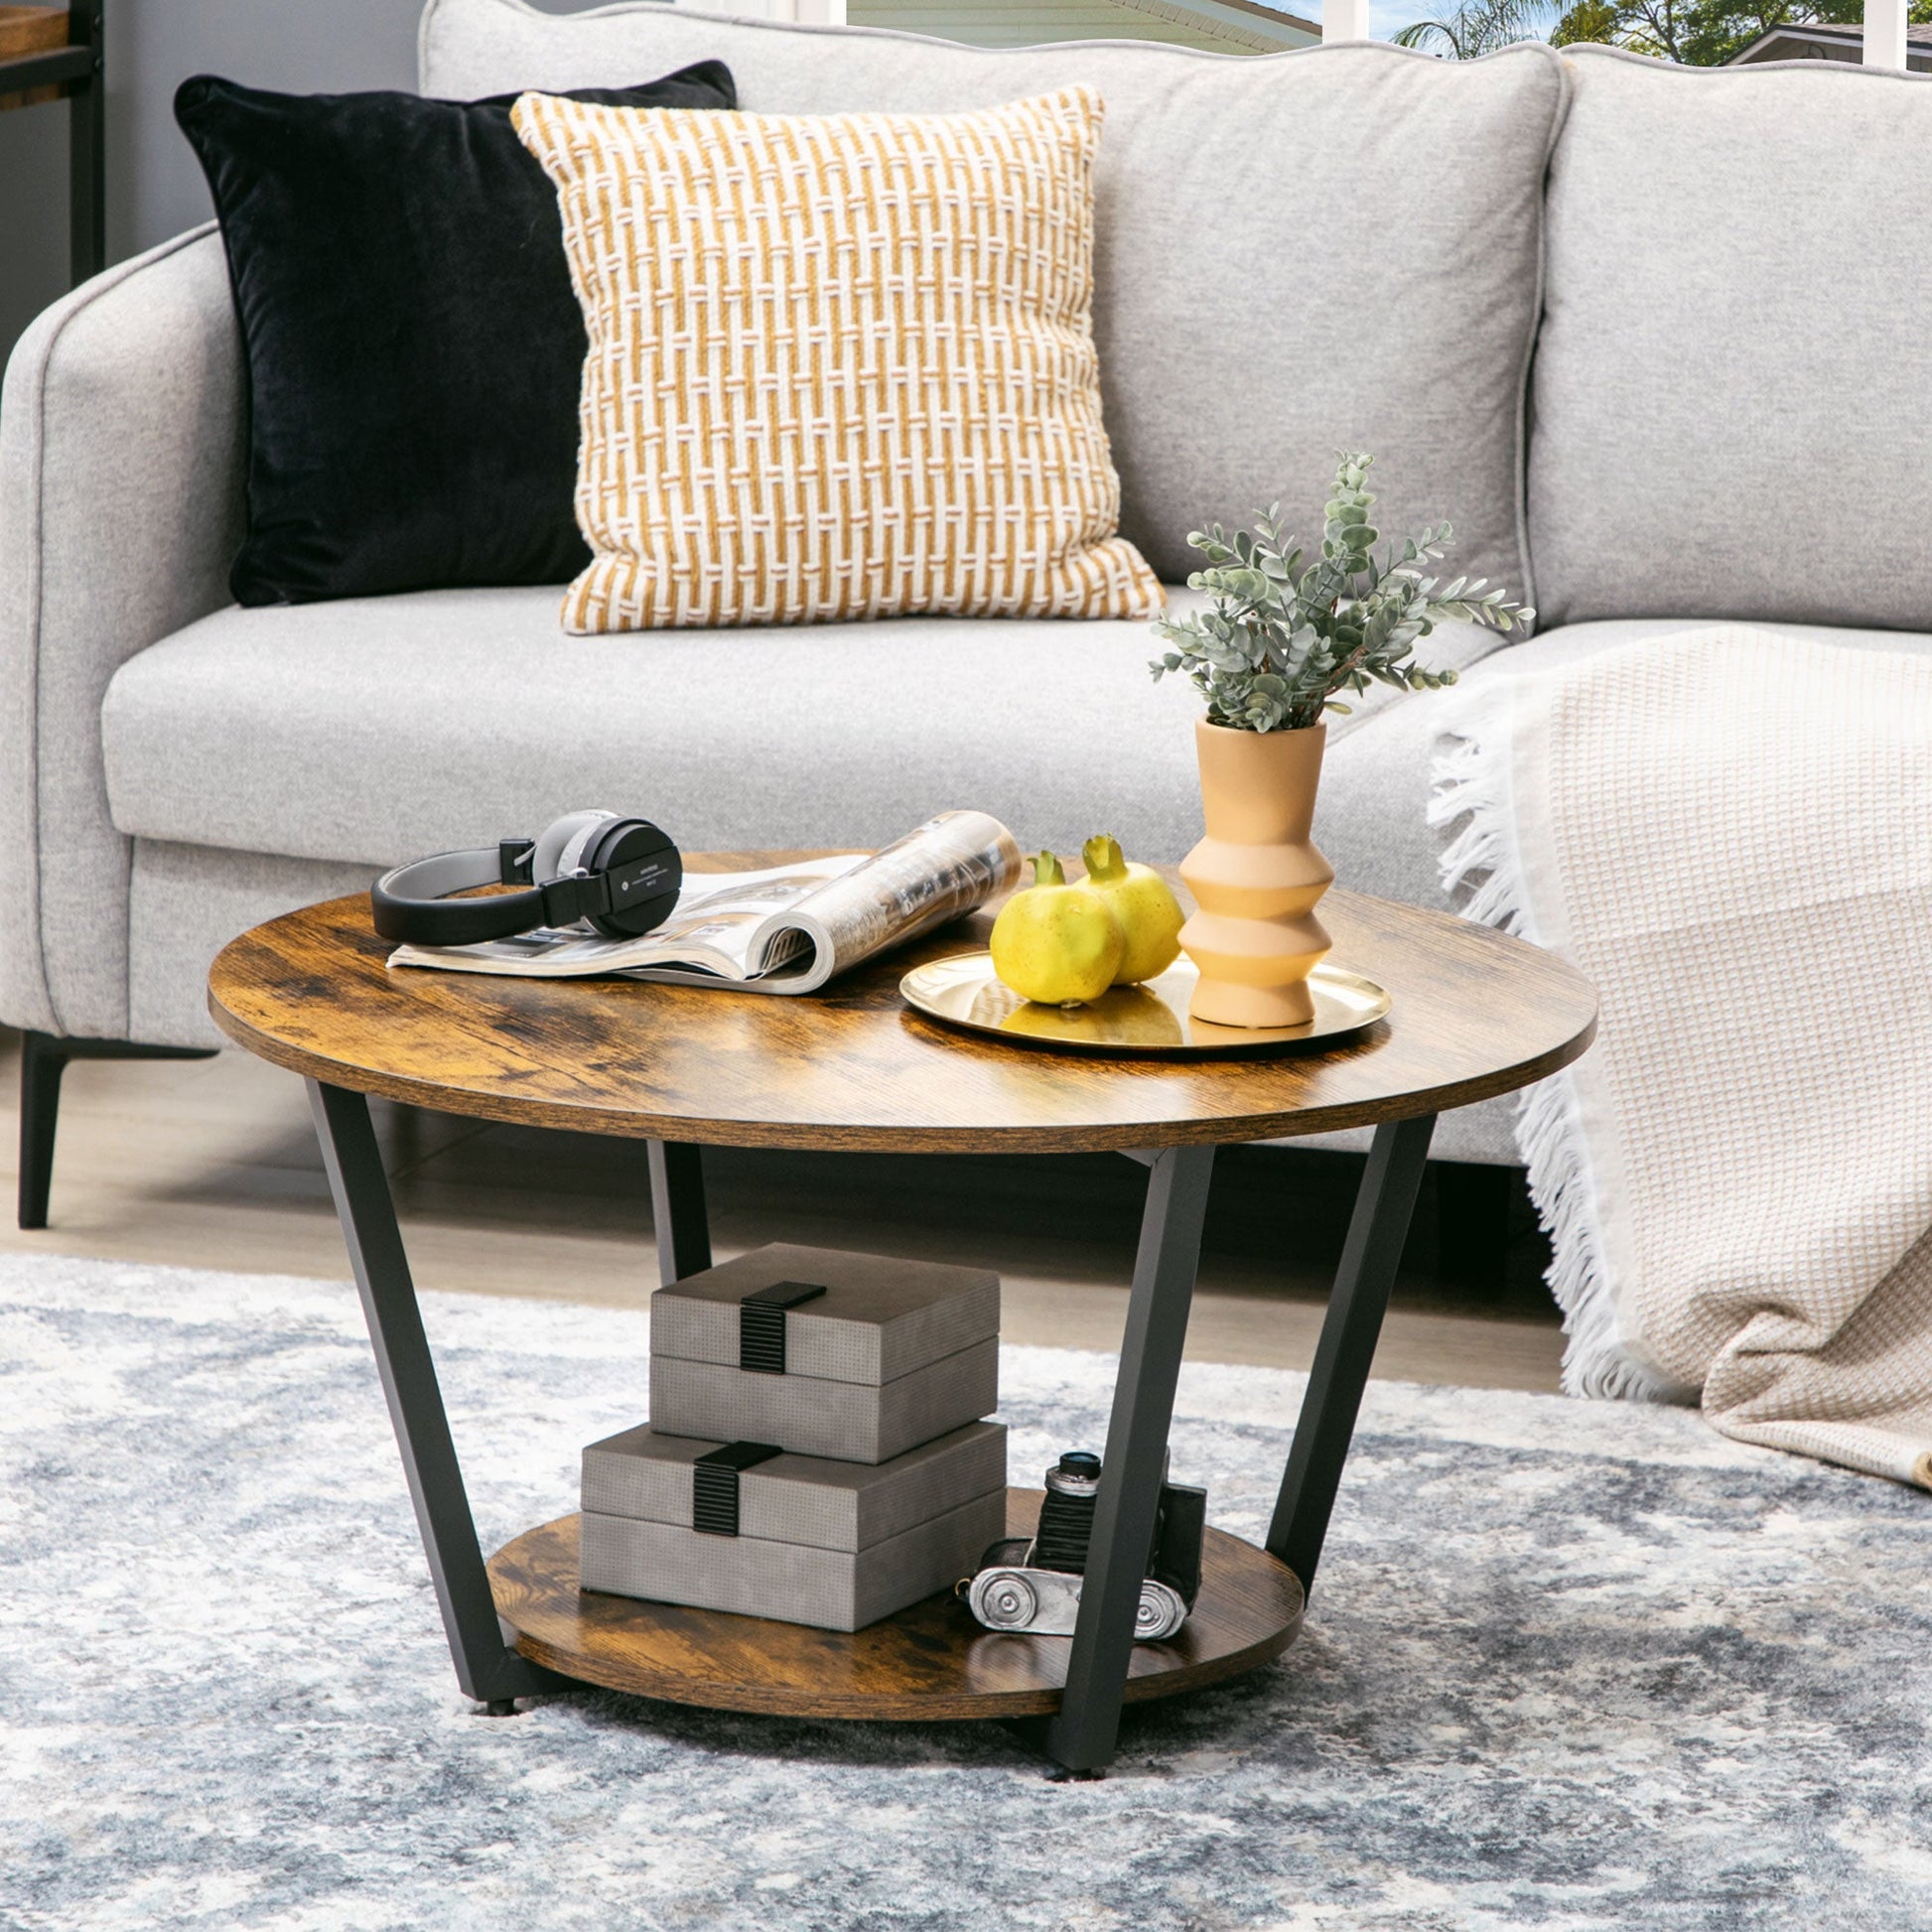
[1694, 33]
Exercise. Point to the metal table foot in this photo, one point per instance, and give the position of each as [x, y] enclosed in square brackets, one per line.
[487, 1668]
[1360, 1297]
[678, 1219]
[1081, 1738]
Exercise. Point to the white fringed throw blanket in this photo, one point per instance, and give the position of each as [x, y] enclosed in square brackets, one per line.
[1731, 832]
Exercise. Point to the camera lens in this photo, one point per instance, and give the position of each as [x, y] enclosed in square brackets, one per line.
[1066, 1516]
[1077, 1473]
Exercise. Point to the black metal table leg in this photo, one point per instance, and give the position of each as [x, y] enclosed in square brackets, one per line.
[677, 1210]
[1081, 1736]
[1360, 1297]
[486, 1667]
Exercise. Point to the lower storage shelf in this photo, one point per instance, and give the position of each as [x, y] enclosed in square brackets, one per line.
[930, 1662]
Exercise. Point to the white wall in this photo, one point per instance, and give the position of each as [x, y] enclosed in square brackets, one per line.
[33, 215]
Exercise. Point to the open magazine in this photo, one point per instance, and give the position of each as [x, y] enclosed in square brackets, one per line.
[786, 929]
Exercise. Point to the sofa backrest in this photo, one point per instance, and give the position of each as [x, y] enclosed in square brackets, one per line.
[1330, 248]
[1735, 347]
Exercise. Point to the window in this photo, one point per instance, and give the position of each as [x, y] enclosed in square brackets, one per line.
[1221, 26]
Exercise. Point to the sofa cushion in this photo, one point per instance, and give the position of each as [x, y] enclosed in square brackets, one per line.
[413, 345]
[1734, 345]
[377, 730]
[1331, 248]
[841, 366]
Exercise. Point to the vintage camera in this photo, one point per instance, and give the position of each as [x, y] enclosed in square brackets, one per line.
[1035, 1586]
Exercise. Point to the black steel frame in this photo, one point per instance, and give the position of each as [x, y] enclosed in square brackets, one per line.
[1384, 1203]
[678, 1216]
[79, 68]
[44, 1058]
[487, 1668]
[1082, 1736]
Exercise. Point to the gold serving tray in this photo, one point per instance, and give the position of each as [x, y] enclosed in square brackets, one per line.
[1151, 1019]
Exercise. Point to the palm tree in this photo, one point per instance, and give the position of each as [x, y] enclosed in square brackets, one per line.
[1477, 27]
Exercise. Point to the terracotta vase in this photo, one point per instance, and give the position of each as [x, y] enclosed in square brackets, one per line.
[1256, 877]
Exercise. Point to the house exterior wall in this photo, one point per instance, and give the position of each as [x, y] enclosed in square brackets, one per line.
[1795, 44]
[1029, 22]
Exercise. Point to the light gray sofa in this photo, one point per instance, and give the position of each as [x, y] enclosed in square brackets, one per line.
[1650, 337]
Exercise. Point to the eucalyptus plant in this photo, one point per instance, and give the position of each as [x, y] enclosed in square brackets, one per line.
[1280, 642]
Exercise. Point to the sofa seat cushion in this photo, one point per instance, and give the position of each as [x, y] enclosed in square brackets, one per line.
[1332, 247]
[374, 730]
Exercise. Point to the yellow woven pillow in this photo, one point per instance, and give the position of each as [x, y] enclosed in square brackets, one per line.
[840, 366]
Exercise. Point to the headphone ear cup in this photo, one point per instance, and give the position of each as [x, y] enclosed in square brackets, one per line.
[560, 845]
[649, 872]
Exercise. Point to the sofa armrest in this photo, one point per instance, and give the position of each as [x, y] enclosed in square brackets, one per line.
[121, 464]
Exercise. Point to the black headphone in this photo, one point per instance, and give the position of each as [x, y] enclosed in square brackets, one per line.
[621, 875]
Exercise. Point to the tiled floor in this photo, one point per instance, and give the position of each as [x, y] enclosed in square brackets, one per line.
[212, 1165]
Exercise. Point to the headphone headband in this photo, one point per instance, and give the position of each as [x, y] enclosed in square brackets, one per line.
[625, 884]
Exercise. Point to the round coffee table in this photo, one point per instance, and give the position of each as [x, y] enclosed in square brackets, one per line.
[1476, 1013]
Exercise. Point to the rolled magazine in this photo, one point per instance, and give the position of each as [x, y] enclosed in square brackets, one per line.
[783, 929]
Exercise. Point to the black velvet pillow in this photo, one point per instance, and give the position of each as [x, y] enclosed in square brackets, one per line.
[414, 349]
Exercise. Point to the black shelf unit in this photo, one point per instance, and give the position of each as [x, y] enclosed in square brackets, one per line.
[77, 68]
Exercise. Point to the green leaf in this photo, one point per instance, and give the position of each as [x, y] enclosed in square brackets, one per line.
[1284, 631]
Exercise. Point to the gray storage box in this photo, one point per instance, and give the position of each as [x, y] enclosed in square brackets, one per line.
[834, 1544]
[826, 1353]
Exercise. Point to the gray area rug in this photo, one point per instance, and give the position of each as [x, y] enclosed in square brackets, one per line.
[1570, 1665]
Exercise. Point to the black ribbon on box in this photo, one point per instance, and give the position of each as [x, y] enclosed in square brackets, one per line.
[714, 1485]
[762, 1325]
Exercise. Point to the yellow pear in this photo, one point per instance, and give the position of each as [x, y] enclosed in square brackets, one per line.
[1150, 915]
[1057, 943]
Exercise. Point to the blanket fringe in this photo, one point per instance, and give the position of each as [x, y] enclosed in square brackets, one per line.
[1482, 869]
[1479, 866]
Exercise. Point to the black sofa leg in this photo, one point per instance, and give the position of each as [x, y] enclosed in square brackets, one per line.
[44, 1058]
[1474, 1206]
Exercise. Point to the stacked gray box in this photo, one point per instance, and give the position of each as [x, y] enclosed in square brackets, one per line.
[891, 1355]
[836, 1545]
[815, 1451]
